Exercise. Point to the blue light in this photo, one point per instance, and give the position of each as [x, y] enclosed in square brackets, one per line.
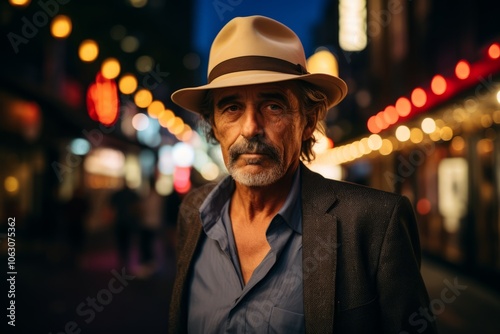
[79, 146]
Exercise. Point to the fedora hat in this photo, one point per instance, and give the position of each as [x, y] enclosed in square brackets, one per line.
[255, 50]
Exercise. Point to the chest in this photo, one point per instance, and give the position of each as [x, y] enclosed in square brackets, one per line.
[251, 246]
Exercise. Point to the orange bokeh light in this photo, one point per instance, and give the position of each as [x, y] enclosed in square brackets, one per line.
[403, 106]
[494, 51]
[438, 85]
[391, 115]
[462, 70]
[372, 125]
[418, 97]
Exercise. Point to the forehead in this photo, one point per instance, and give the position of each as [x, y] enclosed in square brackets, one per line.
[287, 90]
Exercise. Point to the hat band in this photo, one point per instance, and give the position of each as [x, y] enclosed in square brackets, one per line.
[249, 63]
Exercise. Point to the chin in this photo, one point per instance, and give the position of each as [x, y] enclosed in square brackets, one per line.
[257, 179]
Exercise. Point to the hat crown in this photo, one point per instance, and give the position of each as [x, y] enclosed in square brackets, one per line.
[256, 36]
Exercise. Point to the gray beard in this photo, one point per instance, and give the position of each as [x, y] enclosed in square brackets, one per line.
[260, 179]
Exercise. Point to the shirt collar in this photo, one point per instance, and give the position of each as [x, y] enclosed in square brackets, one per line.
[212, 207]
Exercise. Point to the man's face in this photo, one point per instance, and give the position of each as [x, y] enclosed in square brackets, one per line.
[260, 129]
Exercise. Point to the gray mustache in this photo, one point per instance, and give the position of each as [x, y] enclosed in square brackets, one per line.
[253, 147]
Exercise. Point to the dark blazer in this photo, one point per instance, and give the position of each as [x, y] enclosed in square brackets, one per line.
[361, 260]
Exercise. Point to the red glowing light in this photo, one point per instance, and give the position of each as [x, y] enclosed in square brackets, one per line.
[102, 100]
[182, 182]
[438, 85]
[423, 206]
[418, 97]
[494, 51]
[462, 70]
[403, 106]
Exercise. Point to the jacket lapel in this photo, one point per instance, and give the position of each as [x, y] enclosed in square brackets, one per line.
[319, 252]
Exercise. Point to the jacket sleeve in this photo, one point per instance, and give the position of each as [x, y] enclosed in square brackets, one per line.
[403, 297]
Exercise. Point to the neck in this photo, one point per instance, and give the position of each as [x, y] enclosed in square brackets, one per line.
[252, 205]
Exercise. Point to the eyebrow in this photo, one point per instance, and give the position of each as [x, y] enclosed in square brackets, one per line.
[275, 96]
[278, 96]
[227, 99]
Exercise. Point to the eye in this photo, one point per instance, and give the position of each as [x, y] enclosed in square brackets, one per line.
[229, 108]
[274, 108]
[232, 108]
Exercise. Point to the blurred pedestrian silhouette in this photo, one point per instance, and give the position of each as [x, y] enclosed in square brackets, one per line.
[152, 208]
[126, 205]
[170, 212]
[75, 215]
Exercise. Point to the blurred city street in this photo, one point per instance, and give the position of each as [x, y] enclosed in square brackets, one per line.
[96, 157]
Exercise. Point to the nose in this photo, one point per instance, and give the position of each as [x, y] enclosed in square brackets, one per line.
[252, 123]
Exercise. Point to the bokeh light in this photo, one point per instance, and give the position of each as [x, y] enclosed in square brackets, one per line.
[418, 97]
[88, 50]
[11, 184]
[61, 26]
[110, 68]
[127, 84]
[143, 98]
[428, 125]
[403, 106]
[462, 70]
[438, 85]
[402, 133]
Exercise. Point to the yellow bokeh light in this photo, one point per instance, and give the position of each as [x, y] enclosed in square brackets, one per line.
[138, 3]
[127, 84]
[323, 61]
[88, 50]
[363, 146]
[61, 26]
[458, 144]
[110, 68]
[386, 147]
[374, 142]
[446, 133]
[353, 147]
[485, 146]
[428, 125]
[11, 184]
[176, 126]
[143, 98]
[166, 117]
[496, 117]
[402, 133]
[155, 108]
[416, 135]
[19, 3]
[486, 121]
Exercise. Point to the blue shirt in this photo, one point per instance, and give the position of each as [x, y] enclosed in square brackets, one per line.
[272, 300]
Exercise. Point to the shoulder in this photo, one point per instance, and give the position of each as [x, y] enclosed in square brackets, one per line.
[343, 191]
[195, 197]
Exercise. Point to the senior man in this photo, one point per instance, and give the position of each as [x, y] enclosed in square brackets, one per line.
[275, 247]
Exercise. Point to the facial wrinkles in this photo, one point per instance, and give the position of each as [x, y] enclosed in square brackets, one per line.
[275, 159]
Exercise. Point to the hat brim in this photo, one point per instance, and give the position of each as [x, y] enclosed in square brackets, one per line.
[192, 98]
